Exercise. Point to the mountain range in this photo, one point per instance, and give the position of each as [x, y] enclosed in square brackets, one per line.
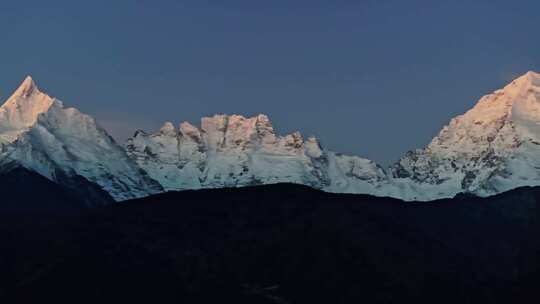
[277, 240]
[492, 148]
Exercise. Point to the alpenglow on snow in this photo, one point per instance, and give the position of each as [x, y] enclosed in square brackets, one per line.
[492, 148]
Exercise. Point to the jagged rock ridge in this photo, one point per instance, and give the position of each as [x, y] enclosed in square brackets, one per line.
[232, 151]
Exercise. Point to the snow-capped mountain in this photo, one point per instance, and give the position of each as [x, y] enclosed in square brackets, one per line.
[66, 146]
[232, 151]
[21, 110]
[492, 148]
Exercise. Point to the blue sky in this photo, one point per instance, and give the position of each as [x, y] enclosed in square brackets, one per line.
[373, 78]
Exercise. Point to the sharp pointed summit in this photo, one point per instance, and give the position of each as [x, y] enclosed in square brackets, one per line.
[66, 146]
[22, 109]
[27, 87]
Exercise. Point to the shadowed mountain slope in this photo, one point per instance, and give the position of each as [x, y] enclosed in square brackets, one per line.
[24, 191]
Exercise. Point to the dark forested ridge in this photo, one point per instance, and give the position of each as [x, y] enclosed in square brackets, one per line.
[276, 244]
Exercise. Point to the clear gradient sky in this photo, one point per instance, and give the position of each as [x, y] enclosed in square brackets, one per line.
[373, 78]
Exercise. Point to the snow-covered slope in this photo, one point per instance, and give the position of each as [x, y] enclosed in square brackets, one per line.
[492, 148]
[231, 151]
[64, 145]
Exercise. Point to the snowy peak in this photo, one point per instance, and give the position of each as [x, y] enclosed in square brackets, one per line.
[22, 109]
[26, 90]
[237, 132]
[168, 129]
[66, 146]
[528, 79]
[517, 91]
[516, 106]
[27, 87]
[189, 130]
[491, 148]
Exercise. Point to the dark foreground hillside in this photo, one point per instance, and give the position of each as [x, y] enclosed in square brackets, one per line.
[277, 244]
